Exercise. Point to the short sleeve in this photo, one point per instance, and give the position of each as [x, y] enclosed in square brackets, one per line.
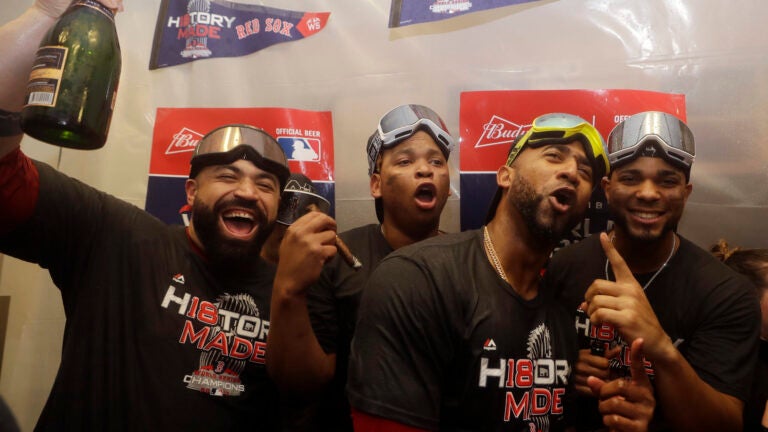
[723, 350]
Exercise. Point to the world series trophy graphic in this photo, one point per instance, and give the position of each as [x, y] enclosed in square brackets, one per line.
[219, 374]
[197, 46]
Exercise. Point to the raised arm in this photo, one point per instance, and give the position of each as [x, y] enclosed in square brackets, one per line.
[690, 402]
[295, 359]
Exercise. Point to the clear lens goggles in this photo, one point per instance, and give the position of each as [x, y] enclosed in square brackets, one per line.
[228, 143]
[564, 128]
[400, 124]
[295, 204]
[652, 133]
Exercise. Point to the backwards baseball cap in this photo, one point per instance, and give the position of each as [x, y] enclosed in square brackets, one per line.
[401, 123]
[652, 134]
[229, 143]
[297, 198]
[559, 128]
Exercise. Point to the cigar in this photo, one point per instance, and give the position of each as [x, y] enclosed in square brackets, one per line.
[347, 254]
[342, 247]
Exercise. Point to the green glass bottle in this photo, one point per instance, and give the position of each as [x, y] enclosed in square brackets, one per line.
[72, 87]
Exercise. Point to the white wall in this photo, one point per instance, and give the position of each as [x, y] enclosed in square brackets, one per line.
[714, 52]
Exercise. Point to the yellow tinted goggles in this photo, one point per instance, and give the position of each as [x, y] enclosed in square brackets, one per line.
[564, 128]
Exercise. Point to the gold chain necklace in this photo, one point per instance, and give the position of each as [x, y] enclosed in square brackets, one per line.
[492, 254]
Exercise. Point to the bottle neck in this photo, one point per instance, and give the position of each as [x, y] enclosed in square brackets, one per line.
[93, 4]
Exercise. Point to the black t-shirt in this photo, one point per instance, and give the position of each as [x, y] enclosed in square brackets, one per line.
[153, 339]
[332, 304]
[443, 343]
[708, 311]
[755, 406]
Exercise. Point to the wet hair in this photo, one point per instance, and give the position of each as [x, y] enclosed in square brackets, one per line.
[752, 263]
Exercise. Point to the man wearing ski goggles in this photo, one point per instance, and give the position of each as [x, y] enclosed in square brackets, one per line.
[698, 321]
[400, 124]
[410, 184]
[559, 128]
[652, 134]
[236, 177]
[227, 144]
[564, 128]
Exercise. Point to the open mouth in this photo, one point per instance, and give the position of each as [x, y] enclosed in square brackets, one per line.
[562, 199]
[239, 223]
[426, 196]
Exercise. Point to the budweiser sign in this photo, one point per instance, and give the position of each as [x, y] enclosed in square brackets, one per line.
[499, 130]
[184, 140]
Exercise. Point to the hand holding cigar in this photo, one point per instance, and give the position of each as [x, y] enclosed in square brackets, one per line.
[342, 247]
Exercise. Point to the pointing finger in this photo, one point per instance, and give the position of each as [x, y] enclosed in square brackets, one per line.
[619, 266]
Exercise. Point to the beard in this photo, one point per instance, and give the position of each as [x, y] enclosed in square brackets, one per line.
[546, 228]
[224, 253]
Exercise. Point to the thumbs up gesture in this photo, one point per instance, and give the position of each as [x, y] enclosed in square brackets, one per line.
[626, 405]
[623, 304]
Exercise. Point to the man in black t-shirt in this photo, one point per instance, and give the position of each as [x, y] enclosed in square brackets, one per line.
[314, 312]
[165, 326]
[454, 333]
[698, 319]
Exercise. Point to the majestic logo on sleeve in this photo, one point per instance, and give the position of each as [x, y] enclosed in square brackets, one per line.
[534, 385]
[229, 334]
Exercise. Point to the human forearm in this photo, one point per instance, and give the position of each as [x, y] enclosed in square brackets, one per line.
[21, 38]
[295, 359]
[688, 402]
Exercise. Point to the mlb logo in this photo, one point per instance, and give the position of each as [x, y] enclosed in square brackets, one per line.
[300, 149]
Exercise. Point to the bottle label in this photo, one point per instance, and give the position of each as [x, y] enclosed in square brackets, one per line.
[93, 4]
[45, 78]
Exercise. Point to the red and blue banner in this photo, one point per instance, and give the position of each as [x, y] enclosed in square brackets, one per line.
[407, 12]
[189, 30]
[489, 121]
[306, 138]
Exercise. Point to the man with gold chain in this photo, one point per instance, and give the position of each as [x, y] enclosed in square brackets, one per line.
[456, 333]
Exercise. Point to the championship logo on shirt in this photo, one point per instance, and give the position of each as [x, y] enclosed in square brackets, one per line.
[229, 334]
[535, 384]
[604, 338]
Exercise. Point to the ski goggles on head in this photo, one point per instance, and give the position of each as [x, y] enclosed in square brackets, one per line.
[400, 124]
[652, 134]
[562, 128]
[229, 143]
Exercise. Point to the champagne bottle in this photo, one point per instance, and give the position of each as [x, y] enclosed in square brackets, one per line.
[72, 87]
